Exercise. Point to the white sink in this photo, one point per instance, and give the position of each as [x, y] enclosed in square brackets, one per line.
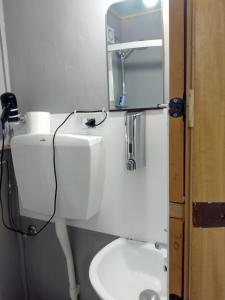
[125, 268]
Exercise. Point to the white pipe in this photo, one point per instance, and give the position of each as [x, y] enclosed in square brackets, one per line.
[62, 234]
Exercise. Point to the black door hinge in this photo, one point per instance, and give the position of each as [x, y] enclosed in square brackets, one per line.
[177, 107]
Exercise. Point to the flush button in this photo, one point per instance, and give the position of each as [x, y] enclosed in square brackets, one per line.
[131, 166]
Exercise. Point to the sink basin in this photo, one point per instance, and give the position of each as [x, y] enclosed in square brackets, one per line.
[125, 268]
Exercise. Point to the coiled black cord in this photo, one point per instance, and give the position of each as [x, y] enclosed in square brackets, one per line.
[14, 229]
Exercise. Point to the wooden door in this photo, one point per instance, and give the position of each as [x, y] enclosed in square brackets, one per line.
[207, 177]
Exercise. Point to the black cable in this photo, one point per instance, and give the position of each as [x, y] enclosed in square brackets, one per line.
[102, 120]
[9, 198]
[55, 174]
[56, 184]
[92, 122]
[1, 178]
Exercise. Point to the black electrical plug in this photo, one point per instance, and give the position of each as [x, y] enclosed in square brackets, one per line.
[91, 123]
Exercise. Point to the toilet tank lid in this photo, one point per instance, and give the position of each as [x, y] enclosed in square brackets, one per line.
[60, 140]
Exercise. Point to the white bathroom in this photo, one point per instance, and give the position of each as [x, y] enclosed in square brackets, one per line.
[84, 90]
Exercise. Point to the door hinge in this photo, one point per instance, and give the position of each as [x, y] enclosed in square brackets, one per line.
[191, 100]
[177, 107]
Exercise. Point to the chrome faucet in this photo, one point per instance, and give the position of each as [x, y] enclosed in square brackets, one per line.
[135, 140]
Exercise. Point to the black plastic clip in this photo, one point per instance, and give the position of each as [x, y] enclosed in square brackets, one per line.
[177, 107]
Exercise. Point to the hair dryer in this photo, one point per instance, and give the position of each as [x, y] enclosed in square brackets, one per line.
[10, 111]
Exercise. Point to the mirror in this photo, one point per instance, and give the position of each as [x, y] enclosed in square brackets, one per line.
[135, 54]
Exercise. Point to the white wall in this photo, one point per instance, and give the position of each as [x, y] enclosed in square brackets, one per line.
[2, 78]
[134, 203]
[2, 82]
[51, 45]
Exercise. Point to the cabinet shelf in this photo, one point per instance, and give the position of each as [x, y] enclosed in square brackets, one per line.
[135, 45]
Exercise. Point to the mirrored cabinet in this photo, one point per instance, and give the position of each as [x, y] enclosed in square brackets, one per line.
[135, 52]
